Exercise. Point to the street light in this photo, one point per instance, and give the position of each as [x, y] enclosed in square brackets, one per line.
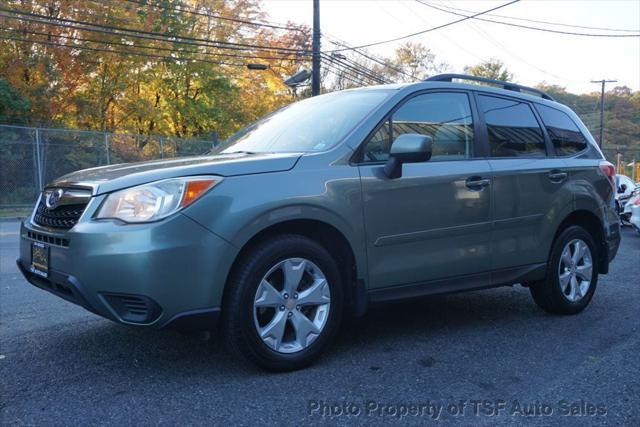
[298, 78]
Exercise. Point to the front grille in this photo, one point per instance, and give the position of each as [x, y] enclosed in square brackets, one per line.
[63, 217]
[52, 240]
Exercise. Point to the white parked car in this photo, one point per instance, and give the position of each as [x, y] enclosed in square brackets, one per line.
[625, 188]
[635, 215]
[626, 205]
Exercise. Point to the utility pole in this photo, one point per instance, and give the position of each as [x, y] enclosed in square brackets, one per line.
[315, 69]
[602, 82]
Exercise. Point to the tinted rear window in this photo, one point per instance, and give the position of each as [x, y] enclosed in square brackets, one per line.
[512, 127]
[564, 133]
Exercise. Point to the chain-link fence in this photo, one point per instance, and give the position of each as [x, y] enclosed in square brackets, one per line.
[31, 157]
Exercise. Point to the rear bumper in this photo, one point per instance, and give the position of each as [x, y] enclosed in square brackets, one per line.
[612, 238]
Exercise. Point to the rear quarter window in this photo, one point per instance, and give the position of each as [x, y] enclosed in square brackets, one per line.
[512, 127]
[563, 132]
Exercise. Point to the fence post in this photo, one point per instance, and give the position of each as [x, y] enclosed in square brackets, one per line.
[161, 147]
[214, 139]
[38, 160]
[106, 147]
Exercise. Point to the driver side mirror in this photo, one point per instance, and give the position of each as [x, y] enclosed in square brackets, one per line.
[622, 188]
[407, 148]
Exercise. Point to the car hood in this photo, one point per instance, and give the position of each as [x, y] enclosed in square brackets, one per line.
[105, 179]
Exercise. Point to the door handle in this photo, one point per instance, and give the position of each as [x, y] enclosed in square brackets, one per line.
[557, 176]
[477, 183]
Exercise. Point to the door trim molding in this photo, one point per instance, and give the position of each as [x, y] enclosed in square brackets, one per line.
[436, 233]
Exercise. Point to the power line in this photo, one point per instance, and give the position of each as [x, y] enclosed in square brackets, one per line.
[169, 36]
[337, 42]
[136, 36]
[356, 67]
[368, 70]
[156, 48]
[357, 73]
[560, 24]
[488, 37]
[95, 49]
[448, 39]
[354, 71]
[528, 27]
[341, 74]
[427, 30]
[602, 82]
[191, 11]
[353, 76]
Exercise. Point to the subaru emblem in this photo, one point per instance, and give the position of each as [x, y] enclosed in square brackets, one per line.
[53, 198]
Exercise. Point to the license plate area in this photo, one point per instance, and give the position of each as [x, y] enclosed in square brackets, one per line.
[40, 259]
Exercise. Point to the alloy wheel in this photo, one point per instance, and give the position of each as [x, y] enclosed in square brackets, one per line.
[291, 305]
[575, 270]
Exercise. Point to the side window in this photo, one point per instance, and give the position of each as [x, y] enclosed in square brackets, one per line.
[445, 117]
[377, 148]
[564, 133]
[512, 127]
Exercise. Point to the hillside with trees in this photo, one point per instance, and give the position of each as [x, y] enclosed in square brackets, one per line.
[179, 68]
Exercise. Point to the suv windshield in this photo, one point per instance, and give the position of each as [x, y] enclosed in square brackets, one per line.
[314, 124]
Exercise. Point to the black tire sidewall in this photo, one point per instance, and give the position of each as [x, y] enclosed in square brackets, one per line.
[246, 280]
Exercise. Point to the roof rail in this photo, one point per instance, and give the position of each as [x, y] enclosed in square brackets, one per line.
[505, 85]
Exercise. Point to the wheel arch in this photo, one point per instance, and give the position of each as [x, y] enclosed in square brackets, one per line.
[594, 226]
[332, 239]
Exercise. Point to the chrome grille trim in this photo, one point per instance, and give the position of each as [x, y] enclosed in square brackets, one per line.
[65, 214]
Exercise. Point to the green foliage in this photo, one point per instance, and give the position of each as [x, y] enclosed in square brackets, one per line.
[491, 69]
[13, 106]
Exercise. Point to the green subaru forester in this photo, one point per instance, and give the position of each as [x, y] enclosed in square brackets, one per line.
[332, 204]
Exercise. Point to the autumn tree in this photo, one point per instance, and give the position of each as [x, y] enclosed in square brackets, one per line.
[413, 61]
[171, 68]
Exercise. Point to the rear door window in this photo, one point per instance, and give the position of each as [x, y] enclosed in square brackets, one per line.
[563, 132]
[512, 127]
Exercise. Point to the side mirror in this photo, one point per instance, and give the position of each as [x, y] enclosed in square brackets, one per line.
[622, 188]
[407, 148]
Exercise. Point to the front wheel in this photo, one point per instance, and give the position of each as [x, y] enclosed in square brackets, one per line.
[284, 303]
[572, 273]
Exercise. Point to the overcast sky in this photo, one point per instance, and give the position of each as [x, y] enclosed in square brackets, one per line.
[533, 56]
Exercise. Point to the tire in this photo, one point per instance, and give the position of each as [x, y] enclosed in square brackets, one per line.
[245, 318]
[559, 296]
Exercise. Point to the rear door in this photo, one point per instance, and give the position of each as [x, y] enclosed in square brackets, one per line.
[434, 221]
[527, 182]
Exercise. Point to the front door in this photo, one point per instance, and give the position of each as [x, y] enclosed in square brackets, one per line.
[435, 220]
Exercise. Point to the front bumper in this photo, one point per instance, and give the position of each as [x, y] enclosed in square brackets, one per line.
[168, 274]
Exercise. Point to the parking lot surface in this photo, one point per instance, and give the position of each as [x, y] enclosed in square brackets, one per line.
[487, 357]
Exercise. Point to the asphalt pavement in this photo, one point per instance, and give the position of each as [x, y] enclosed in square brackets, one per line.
[481, 358]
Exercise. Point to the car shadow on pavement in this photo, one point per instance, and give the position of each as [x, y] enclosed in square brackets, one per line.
[383, 329]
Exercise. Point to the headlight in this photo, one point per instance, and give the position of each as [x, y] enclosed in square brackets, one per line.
[157, 200]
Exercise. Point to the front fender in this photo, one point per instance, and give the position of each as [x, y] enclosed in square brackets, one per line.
[243, 206]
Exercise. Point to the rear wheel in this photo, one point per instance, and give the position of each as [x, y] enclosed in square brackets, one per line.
[284, 303]
[572, 274]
